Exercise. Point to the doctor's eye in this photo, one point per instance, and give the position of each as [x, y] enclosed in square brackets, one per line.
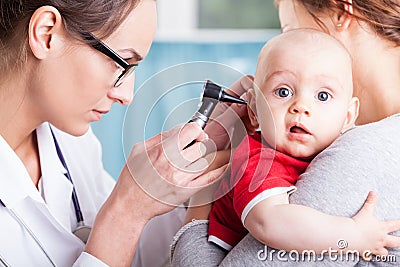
[283, 92]
[323, 96]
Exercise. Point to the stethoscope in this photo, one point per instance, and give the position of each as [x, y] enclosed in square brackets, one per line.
[82, 231]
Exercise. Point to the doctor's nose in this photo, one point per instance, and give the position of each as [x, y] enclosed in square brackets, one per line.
[123, 94]
[300, 107]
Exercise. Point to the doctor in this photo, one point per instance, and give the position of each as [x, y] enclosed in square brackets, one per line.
[63, 64]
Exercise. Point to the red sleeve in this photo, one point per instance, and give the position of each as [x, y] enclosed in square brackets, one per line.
[260, 169]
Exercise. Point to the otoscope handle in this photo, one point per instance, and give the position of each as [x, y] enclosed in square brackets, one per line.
[212, 94]
[203, 114]
[201, 120]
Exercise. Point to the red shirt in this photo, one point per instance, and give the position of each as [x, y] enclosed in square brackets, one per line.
[256, 169]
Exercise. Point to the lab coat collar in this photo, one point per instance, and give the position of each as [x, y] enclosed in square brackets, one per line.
[57, 188]
[16, 184]
[49, 160]
[15, 181]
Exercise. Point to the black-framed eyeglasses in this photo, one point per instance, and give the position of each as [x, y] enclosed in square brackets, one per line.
[97, 44]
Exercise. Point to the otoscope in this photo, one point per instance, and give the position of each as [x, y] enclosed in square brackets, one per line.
[212, 94]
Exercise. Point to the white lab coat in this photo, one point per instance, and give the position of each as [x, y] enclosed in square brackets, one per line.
[50, 214]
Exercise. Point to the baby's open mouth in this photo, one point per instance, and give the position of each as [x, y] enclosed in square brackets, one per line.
[298, 130]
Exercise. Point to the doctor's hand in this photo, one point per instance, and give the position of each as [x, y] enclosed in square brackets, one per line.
[227, 117]
[159, 175]
[166, 172]
[227, 126]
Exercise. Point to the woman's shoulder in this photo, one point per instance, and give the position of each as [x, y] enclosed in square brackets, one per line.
[384, 130]
[363, 159]
[363, 145]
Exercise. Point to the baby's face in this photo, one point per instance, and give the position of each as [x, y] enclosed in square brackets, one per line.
[303, 98]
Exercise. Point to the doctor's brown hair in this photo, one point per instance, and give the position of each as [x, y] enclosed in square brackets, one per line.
[383, 16]
[100, 16]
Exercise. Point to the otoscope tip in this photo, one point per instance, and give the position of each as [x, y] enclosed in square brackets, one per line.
[232, 99]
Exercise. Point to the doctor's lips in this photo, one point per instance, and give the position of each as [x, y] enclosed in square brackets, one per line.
[99, 113]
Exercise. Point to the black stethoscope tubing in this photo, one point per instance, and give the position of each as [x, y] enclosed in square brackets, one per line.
[77, 207]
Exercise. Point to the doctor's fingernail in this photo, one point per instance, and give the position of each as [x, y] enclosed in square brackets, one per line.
[202, 149]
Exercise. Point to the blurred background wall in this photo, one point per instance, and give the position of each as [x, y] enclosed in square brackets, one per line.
[196, 40]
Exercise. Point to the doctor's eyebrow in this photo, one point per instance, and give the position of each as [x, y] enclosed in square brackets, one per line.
[135, 54]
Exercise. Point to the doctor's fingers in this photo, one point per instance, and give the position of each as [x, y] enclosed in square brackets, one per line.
[188, 133]
[175, 194]
[208, 178]
[165, 181]
[222, 107]
[194, 152]
[185, 147]
[172, 164]
[180, 173]
[221, 129]
[155, 140]
[229, 117]
[241, 86]
[179, 137]
[203, 168]
[188, 185]
[202, 159]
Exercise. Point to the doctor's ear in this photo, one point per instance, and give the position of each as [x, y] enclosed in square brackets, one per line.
[44, 25]
[252, 108]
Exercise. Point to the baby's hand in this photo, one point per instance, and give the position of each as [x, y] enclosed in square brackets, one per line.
[375, 235]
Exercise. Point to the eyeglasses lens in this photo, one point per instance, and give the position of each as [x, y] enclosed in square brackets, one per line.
[124, 75]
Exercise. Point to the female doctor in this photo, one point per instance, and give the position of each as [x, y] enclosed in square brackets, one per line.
[63, 64]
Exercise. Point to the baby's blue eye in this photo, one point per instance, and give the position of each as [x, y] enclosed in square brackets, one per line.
[283, 92]
[323, 96]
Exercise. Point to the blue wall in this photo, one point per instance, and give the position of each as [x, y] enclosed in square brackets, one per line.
[167, 93]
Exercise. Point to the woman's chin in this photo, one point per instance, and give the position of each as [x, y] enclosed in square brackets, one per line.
[76, 130]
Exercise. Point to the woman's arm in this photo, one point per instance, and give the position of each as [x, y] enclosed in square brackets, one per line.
[159, 175]
[118, 224]
[286, 226]
[200, 204]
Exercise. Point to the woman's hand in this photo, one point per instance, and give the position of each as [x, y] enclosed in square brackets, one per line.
[375, 236]
[159, 175]
[168, 174]
[200, 203]
[227, 117]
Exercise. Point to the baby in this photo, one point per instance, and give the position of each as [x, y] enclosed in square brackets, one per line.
[302, 101]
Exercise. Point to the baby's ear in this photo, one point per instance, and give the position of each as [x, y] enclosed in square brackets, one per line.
[252, 107]
[352, 114]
